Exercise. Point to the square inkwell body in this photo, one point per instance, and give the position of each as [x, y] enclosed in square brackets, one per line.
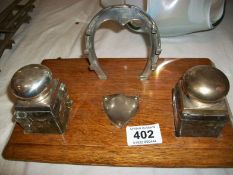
[49, 115]
[197, 119]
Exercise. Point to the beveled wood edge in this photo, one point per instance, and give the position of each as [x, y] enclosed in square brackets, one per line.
[187, 164]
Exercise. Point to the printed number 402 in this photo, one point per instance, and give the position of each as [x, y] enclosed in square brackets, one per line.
[144, 134]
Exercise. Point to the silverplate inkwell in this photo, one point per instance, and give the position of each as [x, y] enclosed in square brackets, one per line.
[199, 102]
[42, 103]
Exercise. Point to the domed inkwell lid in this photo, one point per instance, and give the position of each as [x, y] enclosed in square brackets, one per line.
[30, 81]
[205, 83]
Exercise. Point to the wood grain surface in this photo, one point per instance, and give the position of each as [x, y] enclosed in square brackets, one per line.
[90, 137]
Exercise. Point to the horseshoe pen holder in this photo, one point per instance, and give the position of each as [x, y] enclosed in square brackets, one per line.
[124, 15]
[190, 111]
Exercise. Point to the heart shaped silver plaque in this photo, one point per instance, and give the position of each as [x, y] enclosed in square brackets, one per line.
[120, 108]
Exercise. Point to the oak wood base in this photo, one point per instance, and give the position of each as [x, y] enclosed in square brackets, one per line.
[91, 138]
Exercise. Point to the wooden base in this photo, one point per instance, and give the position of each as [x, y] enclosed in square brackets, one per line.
[92, 139]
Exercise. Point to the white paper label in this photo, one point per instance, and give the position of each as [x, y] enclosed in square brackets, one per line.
[143, 135]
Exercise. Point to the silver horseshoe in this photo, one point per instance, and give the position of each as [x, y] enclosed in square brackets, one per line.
[124, 14]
